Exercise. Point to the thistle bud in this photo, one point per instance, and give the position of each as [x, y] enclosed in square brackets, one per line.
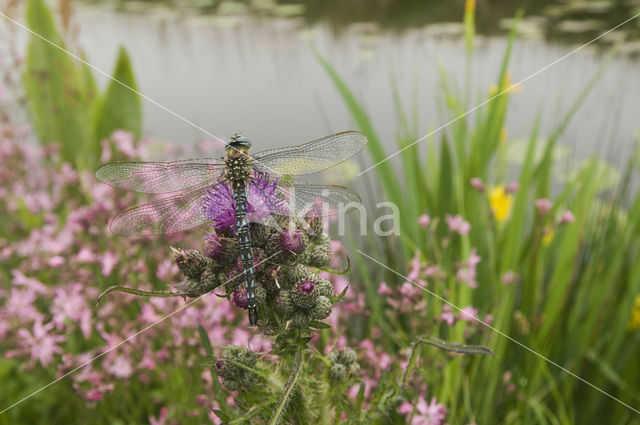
[292, 275]
[259, 234]
[229, 368]
[318, 256]
[299, 319]
[324, 287]
[261, 294]
[304, 294]
[337, 372]
[191, 287]
[209, 280]
[190, 262]
[284, 303]
[346, 356]
[322, 308]
[293, 240]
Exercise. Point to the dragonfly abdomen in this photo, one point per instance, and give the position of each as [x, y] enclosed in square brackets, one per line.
[244, 243]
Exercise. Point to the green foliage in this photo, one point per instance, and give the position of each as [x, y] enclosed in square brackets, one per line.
[575, 282]
[63, 98]
[57, 93]
[120, 107]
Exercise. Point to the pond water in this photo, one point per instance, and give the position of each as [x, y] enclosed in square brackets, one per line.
[258, 75]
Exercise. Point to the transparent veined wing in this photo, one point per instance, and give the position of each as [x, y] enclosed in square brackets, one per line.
[311, 157]
[161, 177]
[300, 199]
[177, 213]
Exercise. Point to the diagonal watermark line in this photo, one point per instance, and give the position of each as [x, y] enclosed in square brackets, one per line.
[508, 89]
[106, 74]
[502, 333]
[128, 339]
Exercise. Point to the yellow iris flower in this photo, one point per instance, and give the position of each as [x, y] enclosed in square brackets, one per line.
[501, 203]
[634, 320]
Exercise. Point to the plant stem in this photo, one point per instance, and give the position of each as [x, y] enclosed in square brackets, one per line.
[288, 389]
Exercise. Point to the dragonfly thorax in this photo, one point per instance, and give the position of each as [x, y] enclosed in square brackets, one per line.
[238, 164]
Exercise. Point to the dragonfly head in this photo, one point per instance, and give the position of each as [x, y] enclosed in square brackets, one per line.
[237, 142]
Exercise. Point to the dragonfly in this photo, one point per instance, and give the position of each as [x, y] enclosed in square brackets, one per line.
[263, 179]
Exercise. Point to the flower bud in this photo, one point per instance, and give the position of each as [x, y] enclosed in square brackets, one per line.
[209, 280]
[299, 319]
[229, 368]
[191, 287]
[319, 256]
[292, 275]
[284, 303]
[261, 294]
[346, 356]
[324, 287]
[304, 294]
[259, 234]
[337, 372]
[293, 240]
[190, 262]
[322, 308]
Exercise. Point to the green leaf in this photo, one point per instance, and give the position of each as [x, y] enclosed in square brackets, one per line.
[58, 100]
[120, 108]
[456, 348]
[318, 325]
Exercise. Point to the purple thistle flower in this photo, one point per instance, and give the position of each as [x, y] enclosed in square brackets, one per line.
[263, 199]
[239, 297]
[291, 240]
[307, 286]
[212, 246]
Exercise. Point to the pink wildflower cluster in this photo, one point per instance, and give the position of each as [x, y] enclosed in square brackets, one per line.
[58, 254]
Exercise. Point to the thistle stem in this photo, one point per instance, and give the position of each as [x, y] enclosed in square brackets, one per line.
[278, 413]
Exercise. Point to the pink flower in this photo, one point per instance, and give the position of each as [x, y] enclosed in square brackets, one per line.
[20, 305]
[447, 315]
[512, 187]
[543, 205]
[85, 255]
[477, 183]
[429, 414]
[567, 217]
[119, 367]
[69, 304]
[432, 413]
[405, 408]
[458, 225]
[383, 289]
[34, 284]
[166, 268]
[108, 261]
[94, 394]
[469, 314]
[55, 261]
[509, 277]
[40, 344]
[467, 273]
[423, 221]
[162, 417]
[414, 273]
[124, 143]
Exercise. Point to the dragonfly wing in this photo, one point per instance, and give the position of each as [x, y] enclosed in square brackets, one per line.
[177, 213]
[300, 199]
[161, 177]
[311, 157]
